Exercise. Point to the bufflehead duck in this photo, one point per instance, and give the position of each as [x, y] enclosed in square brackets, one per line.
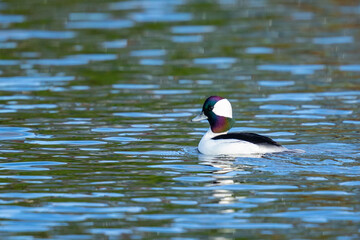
[217, 140]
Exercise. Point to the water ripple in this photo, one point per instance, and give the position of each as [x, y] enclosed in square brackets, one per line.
[106, 24]
[259, 50]
[9, 18]
[29, 166]
[67, 142]
[294, 69]
[24, 34]
[192, 29]
[135, 86]
[121, 43]
[160, 17]
[15, 133]
[148, 53]
[31, 83]
[333, 40]
[320, 215]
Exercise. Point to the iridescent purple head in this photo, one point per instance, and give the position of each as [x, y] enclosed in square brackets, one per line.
[218, 112]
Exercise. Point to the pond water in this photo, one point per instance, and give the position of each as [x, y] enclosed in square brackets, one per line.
[96, 99]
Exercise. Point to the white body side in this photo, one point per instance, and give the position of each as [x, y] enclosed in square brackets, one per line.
[208, 146]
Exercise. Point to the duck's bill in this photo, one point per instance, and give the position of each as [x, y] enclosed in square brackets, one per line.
[199, 117]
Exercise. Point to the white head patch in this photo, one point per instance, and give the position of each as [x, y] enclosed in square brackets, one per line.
[223, 108]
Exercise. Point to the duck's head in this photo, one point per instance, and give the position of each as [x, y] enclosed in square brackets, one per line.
[218, 112]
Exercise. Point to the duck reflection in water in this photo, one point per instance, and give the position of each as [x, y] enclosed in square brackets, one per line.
[226, 170]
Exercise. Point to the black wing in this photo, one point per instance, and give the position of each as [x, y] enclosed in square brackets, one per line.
[249, 137]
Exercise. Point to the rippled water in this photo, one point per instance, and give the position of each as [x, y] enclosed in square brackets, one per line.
[96, 99]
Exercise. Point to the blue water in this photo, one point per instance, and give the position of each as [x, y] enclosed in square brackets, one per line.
[96, 100]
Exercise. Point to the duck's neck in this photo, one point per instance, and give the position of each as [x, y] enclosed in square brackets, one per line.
[220, 124]
[211, 134]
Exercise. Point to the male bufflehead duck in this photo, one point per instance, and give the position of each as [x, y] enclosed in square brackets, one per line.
[217, 140]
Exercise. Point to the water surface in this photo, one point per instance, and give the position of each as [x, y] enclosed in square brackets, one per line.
[96, 100]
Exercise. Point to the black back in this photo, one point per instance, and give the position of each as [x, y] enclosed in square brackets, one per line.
[249, 137]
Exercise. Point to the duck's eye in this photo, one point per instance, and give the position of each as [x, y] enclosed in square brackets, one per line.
[210, 108]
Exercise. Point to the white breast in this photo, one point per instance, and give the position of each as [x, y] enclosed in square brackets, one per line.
[208, 146]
